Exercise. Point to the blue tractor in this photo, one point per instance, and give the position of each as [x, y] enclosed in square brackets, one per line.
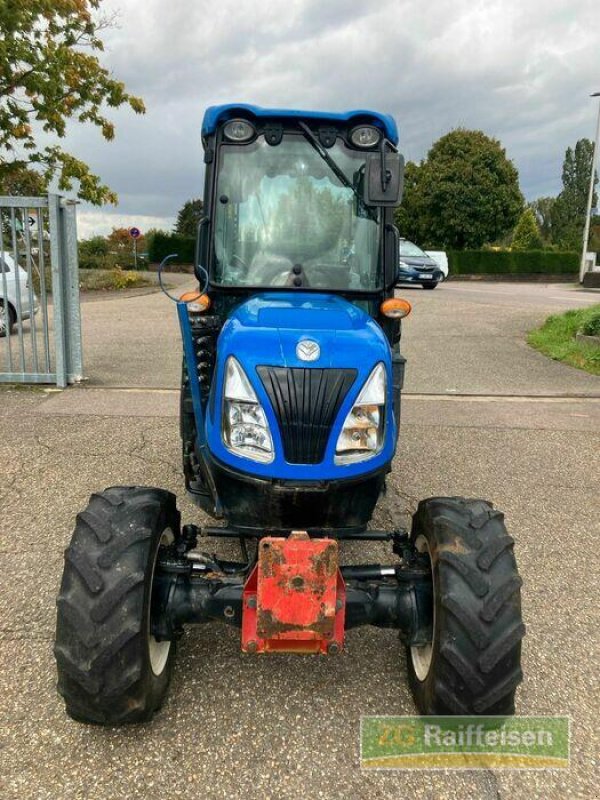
[290, 407]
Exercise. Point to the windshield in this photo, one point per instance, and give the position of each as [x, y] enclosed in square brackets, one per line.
[409, 249]
[284, 218]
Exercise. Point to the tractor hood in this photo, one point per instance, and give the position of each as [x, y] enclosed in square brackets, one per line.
[303, 333]
[267, 329]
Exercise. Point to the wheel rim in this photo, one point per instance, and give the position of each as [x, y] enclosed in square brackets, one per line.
[158, 652]
[422, 655]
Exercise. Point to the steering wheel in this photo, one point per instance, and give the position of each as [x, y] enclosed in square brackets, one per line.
[283, 278]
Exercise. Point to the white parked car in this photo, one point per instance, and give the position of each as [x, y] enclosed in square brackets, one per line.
[441, 259]
[9, 299]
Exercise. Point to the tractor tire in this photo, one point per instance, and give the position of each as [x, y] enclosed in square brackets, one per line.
[472, 665]
[111, 670]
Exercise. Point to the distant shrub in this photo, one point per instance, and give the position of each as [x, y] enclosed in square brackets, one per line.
[512, 262]
[112, 279]
[96, 246]
[97, 261]
[163, 244]
[122, 279]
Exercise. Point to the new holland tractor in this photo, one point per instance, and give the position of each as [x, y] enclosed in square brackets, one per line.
[290, 408]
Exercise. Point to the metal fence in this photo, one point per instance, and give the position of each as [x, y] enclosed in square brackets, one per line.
[40, 321]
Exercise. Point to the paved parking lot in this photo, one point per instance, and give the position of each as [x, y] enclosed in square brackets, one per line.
[484, 416]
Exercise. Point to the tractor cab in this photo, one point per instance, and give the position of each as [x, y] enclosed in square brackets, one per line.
[300, 202]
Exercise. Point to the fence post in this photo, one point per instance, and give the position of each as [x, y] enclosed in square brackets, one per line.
[72, 311]
[58, 293]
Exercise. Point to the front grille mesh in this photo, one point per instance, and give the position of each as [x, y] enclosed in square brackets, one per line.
[306, 402]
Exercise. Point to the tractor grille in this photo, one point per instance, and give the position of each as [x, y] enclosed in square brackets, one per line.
[306, 403]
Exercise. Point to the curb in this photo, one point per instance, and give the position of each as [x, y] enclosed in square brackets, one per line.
[593, 341]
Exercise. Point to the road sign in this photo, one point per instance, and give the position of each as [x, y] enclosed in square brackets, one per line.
[135, 233]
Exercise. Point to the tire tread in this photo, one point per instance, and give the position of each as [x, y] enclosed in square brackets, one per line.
[101, 651]
[476, 663]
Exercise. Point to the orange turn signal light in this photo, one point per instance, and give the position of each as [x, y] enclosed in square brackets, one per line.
[197, 303]
[395, 308]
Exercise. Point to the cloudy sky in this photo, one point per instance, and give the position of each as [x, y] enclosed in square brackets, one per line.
[521, 70]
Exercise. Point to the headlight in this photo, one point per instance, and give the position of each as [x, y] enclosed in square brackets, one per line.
[365, 136]
[362, 434]
[245, 428]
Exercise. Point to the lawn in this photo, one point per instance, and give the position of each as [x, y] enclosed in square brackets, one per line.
[556, 338]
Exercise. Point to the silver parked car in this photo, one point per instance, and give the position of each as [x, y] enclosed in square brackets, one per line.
[15, 294]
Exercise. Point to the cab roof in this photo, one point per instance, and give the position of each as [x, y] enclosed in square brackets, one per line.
[217, 114]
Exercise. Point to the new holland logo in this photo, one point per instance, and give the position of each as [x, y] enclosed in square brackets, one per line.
[307, 350]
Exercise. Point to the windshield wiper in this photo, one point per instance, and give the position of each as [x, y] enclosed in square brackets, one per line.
[335, 168]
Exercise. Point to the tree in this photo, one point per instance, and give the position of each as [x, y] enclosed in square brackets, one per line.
[568, 213]
[120, 244]
[527, 234]
[542, 209]
[49, 75]
[410, 216]
[464, 194]
[189, 217]
[149, 237]
[22, 181]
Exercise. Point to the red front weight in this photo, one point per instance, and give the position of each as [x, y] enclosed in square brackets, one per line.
[294, 599]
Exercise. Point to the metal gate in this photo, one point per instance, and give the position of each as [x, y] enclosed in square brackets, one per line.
[40, 320]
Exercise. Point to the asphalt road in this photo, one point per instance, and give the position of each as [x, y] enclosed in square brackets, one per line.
[483, 416]
[464, 337]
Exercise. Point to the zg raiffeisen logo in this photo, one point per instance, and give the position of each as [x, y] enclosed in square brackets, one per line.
[464, 742]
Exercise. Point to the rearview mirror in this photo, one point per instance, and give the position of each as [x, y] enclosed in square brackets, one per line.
[383, 187]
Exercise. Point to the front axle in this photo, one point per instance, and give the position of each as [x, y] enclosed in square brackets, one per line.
[294, 597]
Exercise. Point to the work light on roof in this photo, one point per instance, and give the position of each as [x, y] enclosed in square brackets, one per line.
[239, 130]
[365, 136]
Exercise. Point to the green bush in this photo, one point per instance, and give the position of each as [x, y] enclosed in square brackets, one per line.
[163, 244]
[591, 326]
[124, 280]
[110, 253]
[95, 253]
[95, 246]
[512, 262]
[112, 279]
[97, 260]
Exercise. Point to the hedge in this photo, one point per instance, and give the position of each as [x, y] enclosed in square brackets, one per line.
[163, 244]
[515, 262]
